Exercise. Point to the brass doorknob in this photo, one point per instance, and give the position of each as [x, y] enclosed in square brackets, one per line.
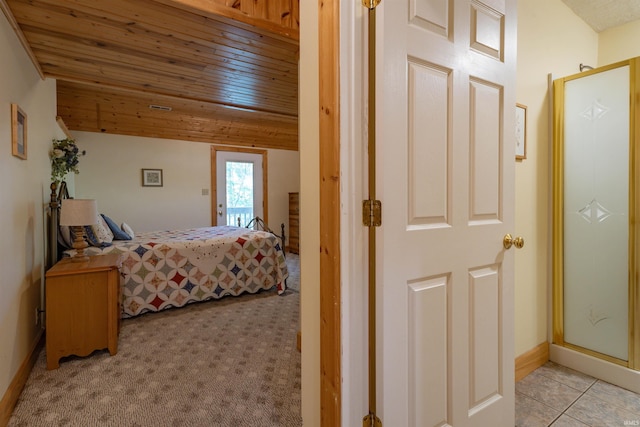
[509, 240]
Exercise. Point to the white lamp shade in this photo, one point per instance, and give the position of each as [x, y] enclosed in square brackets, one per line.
[79, 212]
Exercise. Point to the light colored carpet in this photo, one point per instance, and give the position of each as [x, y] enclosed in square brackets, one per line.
[230, 362]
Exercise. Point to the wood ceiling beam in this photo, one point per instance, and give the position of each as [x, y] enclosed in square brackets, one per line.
[228, 69]
[216, 10]
[23, 40]
[95, 108]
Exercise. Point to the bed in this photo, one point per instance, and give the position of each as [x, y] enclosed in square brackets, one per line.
[165, 269]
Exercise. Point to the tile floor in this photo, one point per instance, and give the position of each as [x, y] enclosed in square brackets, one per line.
[556, 396]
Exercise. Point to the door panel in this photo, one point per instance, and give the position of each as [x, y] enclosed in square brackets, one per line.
[446, 140]
[487, 29]
[431, 15]
[485, 151]
[428, 356]
[484, 330]
[429, 152]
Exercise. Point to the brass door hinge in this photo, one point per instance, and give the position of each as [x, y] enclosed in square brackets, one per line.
[371, 4]
[370, 420]
[372, 213]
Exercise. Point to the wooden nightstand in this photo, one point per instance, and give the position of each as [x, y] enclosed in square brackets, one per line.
[82, 307]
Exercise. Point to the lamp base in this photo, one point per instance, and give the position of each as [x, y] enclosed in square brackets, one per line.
[79, 244]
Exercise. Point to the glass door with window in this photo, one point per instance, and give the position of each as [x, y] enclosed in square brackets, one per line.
[239, 185]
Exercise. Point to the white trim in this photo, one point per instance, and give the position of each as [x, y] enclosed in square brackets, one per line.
[550, 79]
[597, 368]
[353, 236]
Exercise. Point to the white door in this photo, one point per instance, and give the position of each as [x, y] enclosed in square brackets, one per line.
[239, 187]
[446, 159]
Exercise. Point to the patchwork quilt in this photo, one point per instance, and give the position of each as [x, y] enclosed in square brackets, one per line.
[172, 268]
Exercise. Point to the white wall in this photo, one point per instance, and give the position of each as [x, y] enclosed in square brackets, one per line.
[619, 43]
[551, 39]
[284, 178]
[111, 173]
[23, 194]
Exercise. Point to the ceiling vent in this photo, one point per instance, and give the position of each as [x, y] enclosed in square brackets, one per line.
[160, 107]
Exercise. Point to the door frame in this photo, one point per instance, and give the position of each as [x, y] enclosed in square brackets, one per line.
[330, 182]
[343, 343]
[214, 179]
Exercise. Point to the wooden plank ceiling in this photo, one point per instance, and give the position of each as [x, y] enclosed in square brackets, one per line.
[226, 69]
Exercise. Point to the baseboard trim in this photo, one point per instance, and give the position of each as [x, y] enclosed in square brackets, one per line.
[12, 394]
[531, 360]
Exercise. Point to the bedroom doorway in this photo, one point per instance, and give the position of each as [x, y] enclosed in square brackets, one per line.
[239, 183]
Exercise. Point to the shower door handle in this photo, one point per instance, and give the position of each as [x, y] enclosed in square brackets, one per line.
[509, 241]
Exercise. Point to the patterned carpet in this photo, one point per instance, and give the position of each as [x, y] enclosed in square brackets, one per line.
[231, 362]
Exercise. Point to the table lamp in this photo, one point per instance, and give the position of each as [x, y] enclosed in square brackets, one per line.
[76, 213]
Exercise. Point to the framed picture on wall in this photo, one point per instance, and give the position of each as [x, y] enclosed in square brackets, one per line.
[521, 132]
[18, 132]
[152, 177]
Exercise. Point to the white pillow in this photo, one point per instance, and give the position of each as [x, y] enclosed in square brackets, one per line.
[102, 231]
[125, 227]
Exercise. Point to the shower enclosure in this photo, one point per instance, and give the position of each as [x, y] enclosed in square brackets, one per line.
[595, 328]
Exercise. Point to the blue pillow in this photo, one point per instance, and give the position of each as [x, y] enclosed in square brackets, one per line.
[118, 234]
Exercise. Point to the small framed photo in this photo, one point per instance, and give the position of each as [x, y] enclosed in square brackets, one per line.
[152, 177]
[521, 132]
[18, 132]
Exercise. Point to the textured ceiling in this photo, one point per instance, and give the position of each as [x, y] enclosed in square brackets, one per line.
[604, 14]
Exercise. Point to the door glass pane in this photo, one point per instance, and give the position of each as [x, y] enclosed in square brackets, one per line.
[596, 212]
[239, 193]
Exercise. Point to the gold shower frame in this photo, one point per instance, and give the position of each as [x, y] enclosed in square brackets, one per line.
[634, 207]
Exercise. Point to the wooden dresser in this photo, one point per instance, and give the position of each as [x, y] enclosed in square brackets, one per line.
[82, 307]
[294, 223]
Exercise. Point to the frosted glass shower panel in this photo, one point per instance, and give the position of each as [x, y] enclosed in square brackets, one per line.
[596, 212]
